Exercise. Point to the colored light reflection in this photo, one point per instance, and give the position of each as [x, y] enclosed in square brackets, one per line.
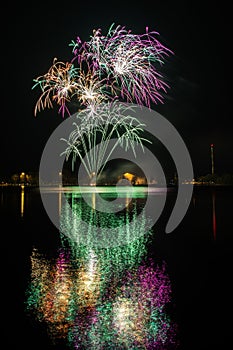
[50, 292]
[102, 298]
[88, 226]
[112, 261]
[133, 316]
[22, 201]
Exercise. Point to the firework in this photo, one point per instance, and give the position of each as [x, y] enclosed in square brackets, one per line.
[109, 122]
[89, 89]
[120, 65]
[129, 62]
[57, 85]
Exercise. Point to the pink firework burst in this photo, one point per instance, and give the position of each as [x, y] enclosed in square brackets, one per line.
[129, 62]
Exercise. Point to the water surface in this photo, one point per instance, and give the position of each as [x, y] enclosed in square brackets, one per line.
[198, 258]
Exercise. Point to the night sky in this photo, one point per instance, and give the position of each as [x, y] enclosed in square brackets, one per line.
[199, 73]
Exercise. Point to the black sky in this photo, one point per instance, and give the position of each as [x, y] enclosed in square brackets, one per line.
[198, 103]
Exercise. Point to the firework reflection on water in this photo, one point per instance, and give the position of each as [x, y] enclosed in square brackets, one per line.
[95, 298]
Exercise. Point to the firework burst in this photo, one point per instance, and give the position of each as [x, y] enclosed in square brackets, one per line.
[129, 62]
[89, 89]
[118, 65]
[57, 85]
[107, 122]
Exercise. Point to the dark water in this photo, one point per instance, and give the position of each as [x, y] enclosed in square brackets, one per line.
[198, 256]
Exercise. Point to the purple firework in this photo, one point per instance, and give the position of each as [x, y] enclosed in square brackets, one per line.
[129, 62]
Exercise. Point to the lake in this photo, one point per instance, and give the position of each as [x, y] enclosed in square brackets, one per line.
[149, 290]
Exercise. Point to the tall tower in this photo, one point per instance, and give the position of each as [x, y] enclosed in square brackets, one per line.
[212, 158]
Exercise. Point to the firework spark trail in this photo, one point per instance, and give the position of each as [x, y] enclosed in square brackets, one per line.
[109, 120]
[119, 65]
[128, 61]
[89, 89]
[58, 84]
